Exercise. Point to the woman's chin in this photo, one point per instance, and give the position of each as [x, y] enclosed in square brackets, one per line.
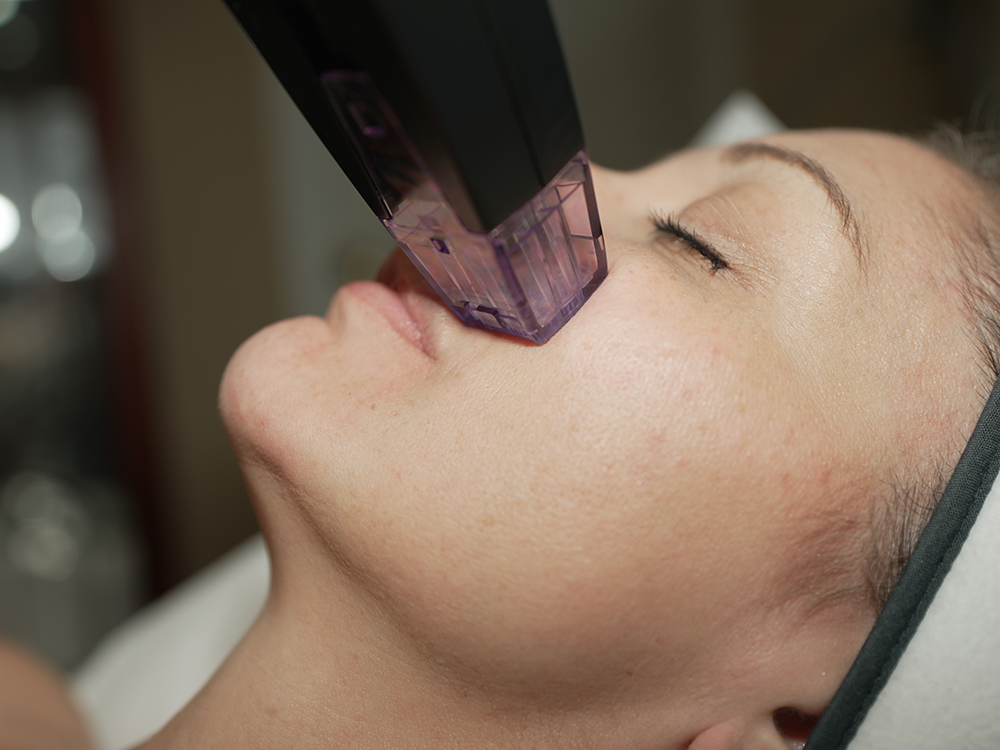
[254, 388]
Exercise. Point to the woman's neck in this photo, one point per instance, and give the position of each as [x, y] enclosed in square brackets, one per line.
[318, 676]
[331, 663]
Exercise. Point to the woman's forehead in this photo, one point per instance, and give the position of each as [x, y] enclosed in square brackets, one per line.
[886, 171]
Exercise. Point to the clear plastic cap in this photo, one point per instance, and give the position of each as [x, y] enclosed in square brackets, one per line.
[525, 277]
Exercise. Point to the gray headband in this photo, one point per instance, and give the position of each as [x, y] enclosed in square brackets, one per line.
[928, 676]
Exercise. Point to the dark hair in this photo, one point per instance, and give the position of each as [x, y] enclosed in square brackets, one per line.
[898, 521]
[979, 243]
[856, 553]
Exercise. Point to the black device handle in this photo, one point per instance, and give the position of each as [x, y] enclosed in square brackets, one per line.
[479, 86]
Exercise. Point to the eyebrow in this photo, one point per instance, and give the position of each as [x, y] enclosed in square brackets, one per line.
[850, 227]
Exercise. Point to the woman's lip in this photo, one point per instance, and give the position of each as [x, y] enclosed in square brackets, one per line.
[403, 299]
[399, 273]
[393, 308]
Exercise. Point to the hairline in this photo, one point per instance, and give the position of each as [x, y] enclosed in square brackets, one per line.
[851, 557]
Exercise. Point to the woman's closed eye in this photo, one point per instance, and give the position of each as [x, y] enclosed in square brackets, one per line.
[670, 227]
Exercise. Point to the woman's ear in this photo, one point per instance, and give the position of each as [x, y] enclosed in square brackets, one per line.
[790, 679]
[794, 726]
[785, 729]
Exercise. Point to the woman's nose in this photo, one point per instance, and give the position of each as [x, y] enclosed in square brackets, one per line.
[617, 205]
[609, 197]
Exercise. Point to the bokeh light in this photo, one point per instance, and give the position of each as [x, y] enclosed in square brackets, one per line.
[57, 212]
[65, 249]
[8, 9]
[69, 258]
[10, 222]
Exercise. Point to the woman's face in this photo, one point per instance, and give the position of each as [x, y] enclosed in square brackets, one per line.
[626, 506]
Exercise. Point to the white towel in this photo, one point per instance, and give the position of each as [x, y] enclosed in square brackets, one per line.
[150, 667]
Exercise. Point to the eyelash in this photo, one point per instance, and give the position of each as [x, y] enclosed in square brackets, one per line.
[668, 225]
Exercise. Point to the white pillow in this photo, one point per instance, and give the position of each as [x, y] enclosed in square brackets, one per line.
[146, 670]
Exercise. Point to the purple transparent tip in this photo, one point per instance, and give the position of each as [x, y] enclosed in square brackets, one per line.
[527, 276]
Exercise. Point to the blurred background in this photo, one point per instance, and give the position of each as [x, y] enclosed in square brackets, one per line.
[161, 200]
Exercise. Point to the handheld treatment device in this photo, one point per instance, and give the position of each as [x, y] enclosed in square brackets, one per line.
[456, 122]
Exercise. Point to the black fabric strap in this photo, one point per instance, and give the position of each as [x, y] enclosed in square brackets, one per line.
[932, 558]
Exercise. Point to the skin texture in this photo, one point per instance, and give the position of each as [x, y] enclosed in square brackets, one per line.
[592, 539]
[598, 543]
[35, 709]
